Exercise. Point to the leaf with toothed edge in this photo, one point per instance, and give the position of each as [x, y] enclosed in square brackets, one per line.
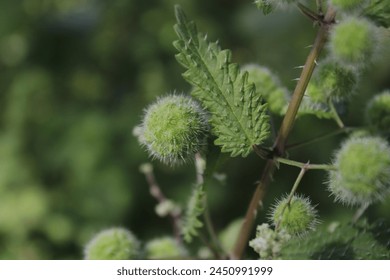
[195, 209]
[238, 114]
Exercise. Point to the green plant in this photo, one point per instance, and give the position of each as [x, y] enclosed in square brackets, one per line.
[238, 104]
[112, 244]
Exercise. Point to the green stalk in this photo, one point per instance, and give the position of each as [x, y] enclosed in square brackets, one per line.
[281, 139]
[306, 166]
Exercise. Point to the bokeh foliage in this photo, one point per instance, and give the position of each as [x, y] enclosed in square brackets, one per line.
[75, 76]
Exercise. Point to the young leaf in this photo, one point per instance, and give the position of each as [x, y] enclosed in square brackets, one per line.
[195, 208]
[238, 114]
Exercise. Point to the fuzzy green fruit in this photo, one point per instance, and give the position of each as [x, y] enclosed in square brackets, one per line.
[112, 244]
[297, 218]
[378, 112]
[335, 81]
[174, 129]
[353, 42]
[363, 171]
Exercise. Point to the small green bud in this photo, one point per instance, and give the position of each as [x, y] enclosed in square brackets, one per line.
[378, 112]
[297, 218]
[353, 42]
[112, 244]
[363, 171]
[164, 248]
[268, 85]
[333, 81]
[174, 129]
[347, 5]
[268, 243]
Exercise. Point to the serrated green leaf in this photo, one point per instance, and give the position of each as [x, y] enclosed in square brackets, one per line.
[195, 209]
[344, 241]
[238, 114]
[379, 12]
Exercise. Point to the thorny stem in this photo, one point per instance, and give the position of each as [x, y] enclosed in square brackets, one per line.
[293, 191]
[156, 192]
[280, 142]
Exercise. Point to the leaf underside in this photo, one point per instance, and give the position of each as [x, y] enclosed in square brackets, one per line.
[238, 114]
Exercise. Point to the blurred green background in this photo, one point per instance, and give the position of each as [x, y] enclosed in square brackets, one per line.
[75, 76]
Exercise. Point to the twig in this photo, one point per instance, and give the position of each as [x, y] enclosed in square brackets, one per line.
[305, 166]
[155, 191]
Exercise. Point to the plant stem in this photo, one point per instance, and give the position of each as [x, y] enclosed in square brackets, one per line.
[336, 115]
[155, 191]
[280, 142]
[359, 212]
[306, 166]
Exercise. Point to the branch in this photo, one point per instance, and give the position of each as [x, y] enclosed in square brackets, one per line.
[155, 191]
[280, 142]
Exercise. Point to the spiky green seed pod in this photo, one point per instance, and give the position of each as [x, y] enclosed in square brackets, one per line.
[335, 81]
[164, 248]
[378, 112]
[268, 85]
[347, 5]
[174, 129]
[112, 244]
[353, 42]
[297, 218]
[363, 171]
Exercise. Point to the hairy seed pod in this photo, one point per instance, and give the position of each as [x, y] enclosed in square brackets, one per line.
[296, 218]
[378, 112]
[363, 171]
[112, 244]
[353, 42]
[335, 81]
[174, 129]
